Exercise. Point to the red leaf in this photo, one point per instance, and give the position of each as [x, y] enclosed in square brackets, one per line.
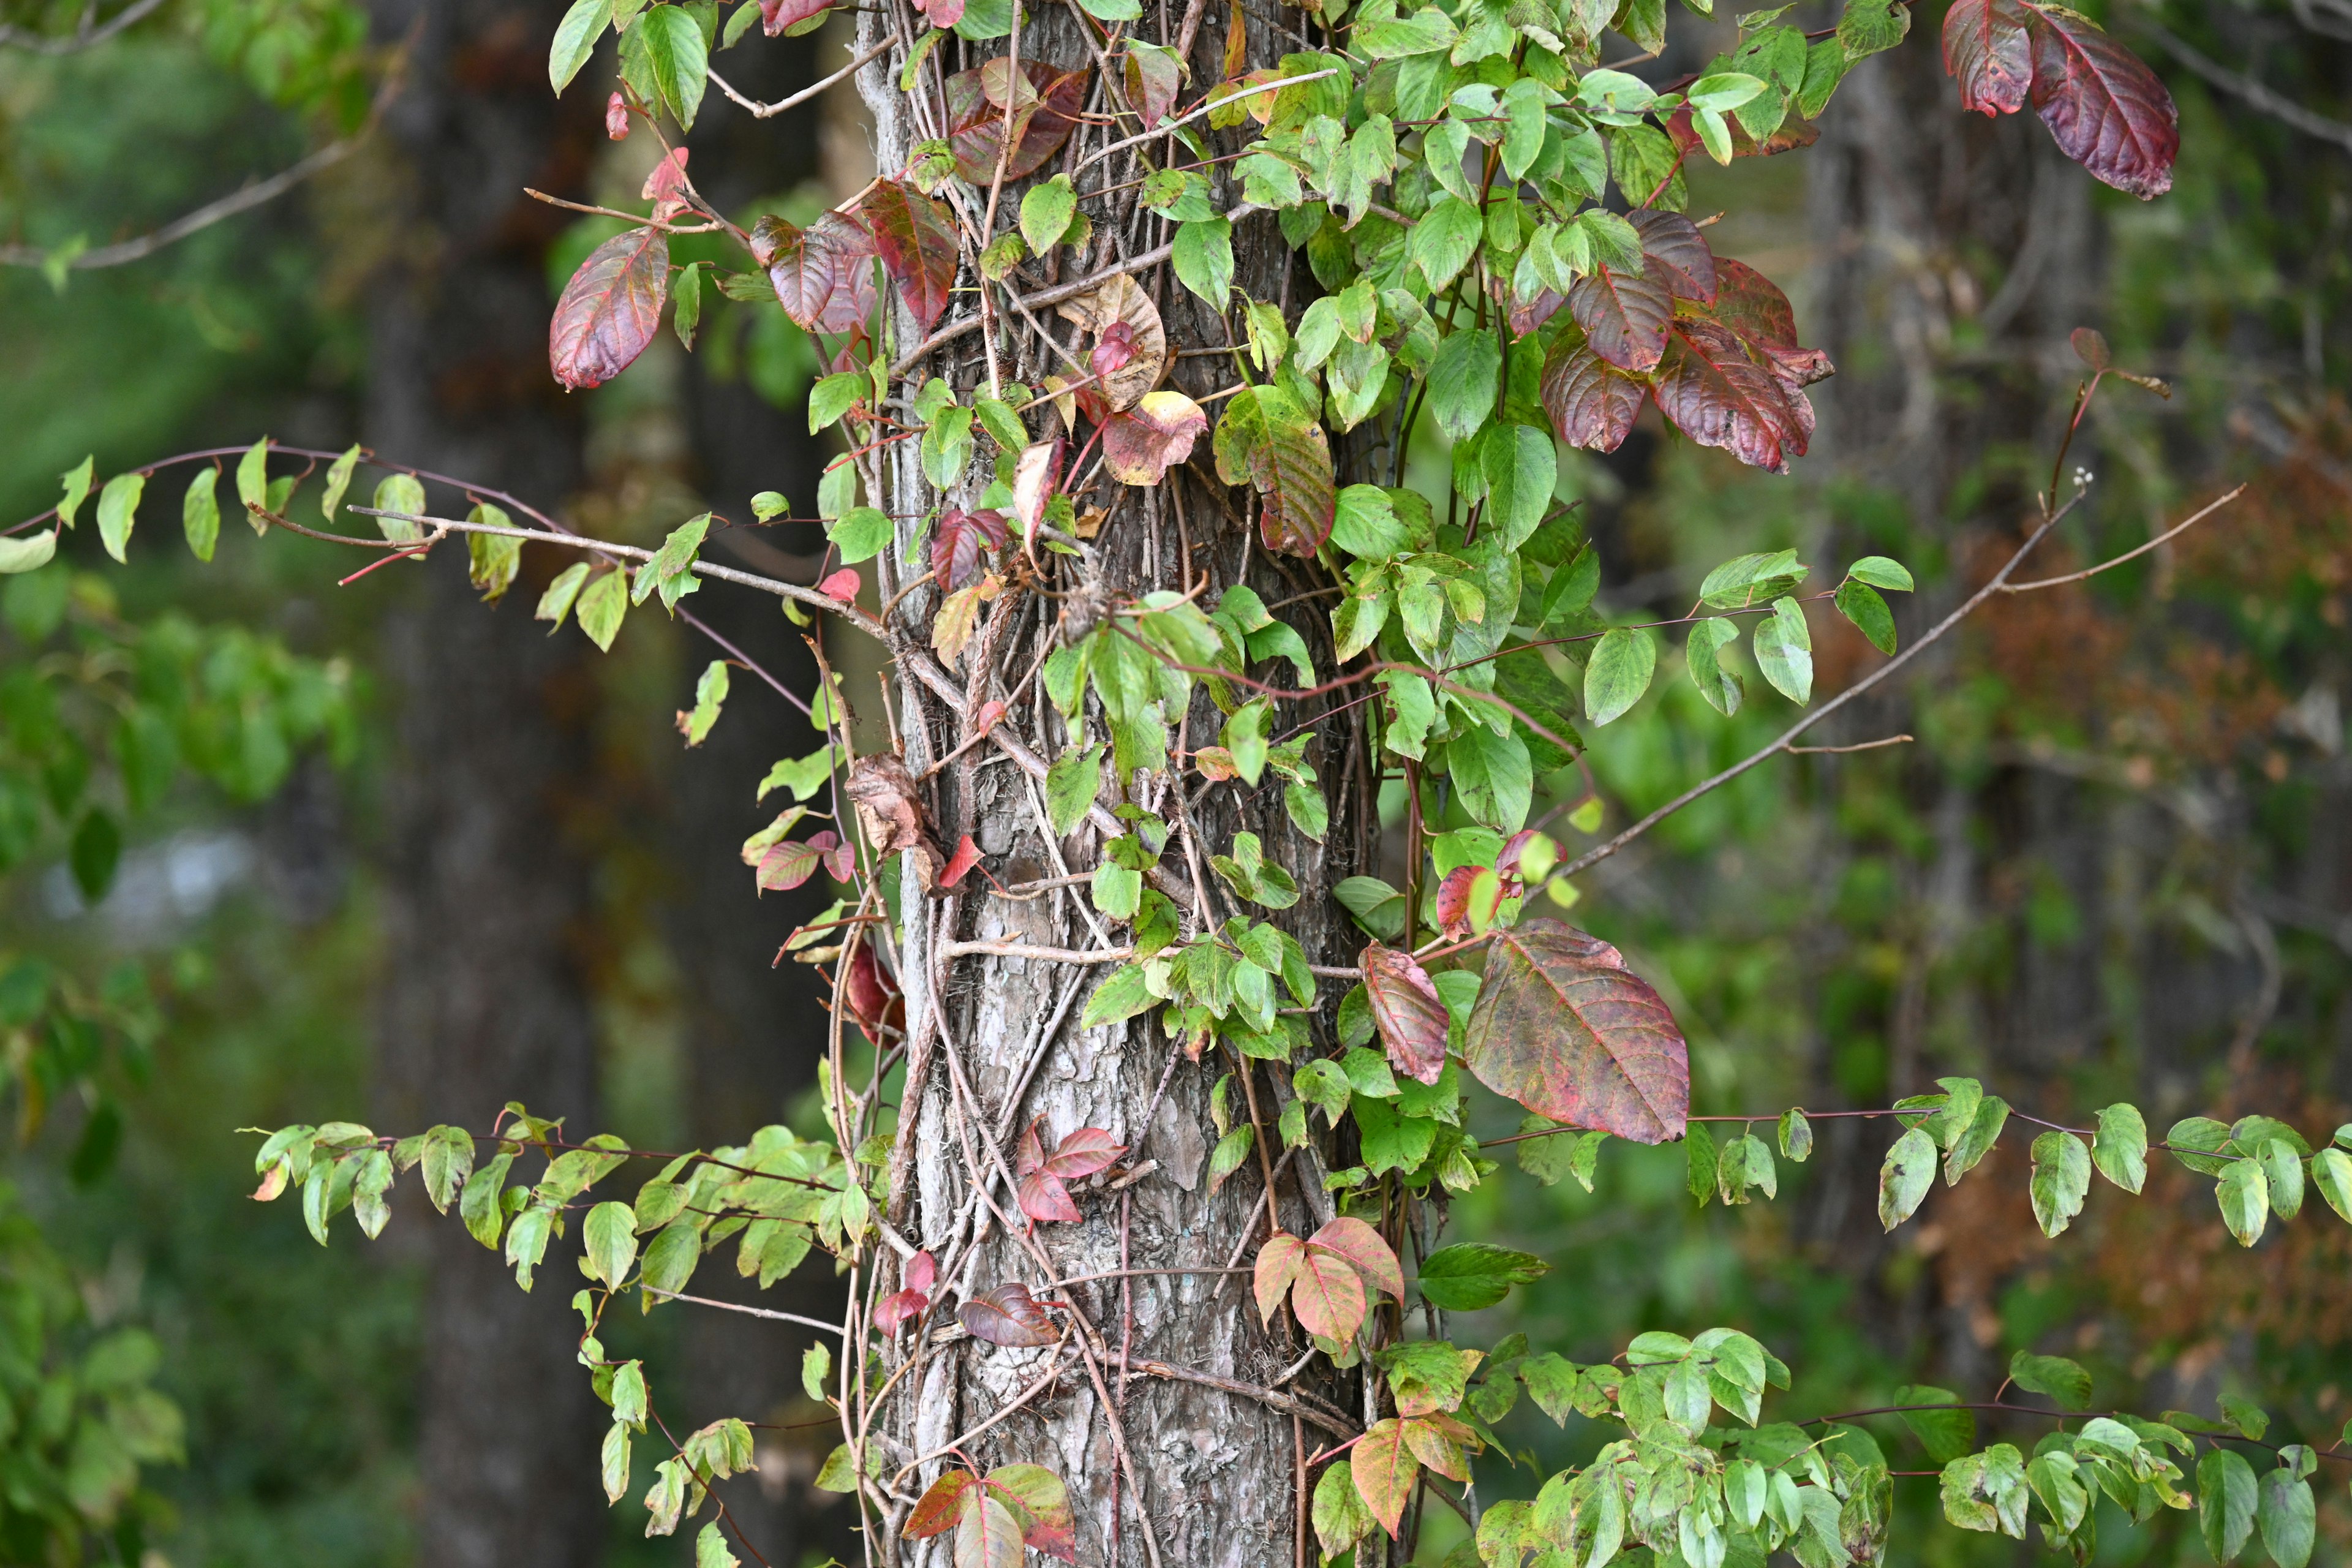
[1792, 134]
[1623, 314]
[1329, 1297]
[1988, 53]
[1753, 307]
[1043, 1506]
[921, 1272]
[789, 864]
[1151, 79]
[1278, 1262]
[1115, 349]
[665, 187]
[1453, 900]
[1007, 1316]
[917, 242]
[1384, 1469]
[1718, 396]
[2105, 107]
[898, 1308]
[1028, 1154]
[935, 1511]
[1036, 475]
[822, 274]
[842, 585]
[985, 719]
[1141, 444]
[776, 16]
[1216, 762]
[1506, 864]
[966, 857]
[870, 995]
[610, 308]
[1407, 1007]
[945, 13]
[1046, 109]
[840, 858]
[1676, 244]
[956, 544]
[616, 118]
[1083, 1152]
[1526, 315]
[1591, 402]
[1044, 1199]
[1564, 1028]
[1360, 1245]
[2090, 346]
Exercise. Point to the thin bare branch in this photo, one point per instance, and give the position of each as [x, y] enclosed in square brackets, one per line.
[2283, 110]
[763, 111]
[2168, 535]
[87, 36]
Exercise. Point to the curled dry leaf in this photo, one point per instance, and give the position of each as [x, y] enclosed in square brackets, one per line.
[616, 118]
[610, 308]
[1036, 475]
[1141, 444]
[1007, 1315]
[890, 811]
[822, 274]
[870, 995]
[1562, 1026]
[665, 186]
[1122, 299]
[1411, 1015]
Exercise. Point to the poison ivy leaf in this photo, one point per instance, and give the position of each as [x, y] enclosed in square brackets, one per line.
[2062, 1176]
[1384, 1470]
[1264, 439]
[1042, 1507]
[1046, 104]
[1562, 1026]
[822, 274]
[1618, 673]
[1680, 249]
[1909, 1170]
[1411, 1015]
[1046, 213]
[1327, 1295]
[1141, 444]
[1717, 395]
[610, 310]
[1203, 258]
[860, 535]
[917, 242]
[1071, 784]
[960, 543]
[1474, 1275]
[1007, 1316]
[1340, 1516]
[1462, 381]
[1122, 303]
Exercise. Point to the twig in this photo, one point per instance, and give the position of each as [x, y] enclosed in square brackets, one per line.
[2164, 538]
[763, 111]
[1289, 1404]
[1857, 746]
[748, 1311]
[1041, 955]
[83, 37]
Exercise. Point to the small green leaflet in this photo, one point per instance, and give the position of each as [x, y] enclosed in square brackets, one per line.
[671, 569]
[2062, 1176]
[253, 481]
[1904, 1178]
[1860, 603]
[77, 481]
[1722, 688]
[575, 40]
[1070, 787]
[685, 301]
[2120, 1150]
[710, 693]
[200, 512]
[1203, 258]
[1618, 673]
[603, 604]
[859, 533]
[835, 395]
[118, 509]
[2244, 1195]
[400, 493]
[339, 479]
[30, 554]
[1783, 646]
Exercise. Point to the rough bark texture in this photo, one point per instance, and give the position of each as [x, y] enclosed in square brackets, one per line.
[1215, 1470]
[483, 1000]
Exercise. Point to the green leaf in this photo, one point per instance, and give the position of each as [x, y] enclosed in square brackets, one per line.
[611, 1235]
[2062, 1176]
[2331, 1172]
[1618, 673]
[1126, 992]
[1699, 1162]
[1046, 213]
[2062, 1380]
[1472, 1275]
[2190, 1139]
[1749, 580]
[339, 479]
[2244, 1195]
[400, 493]
[2288, 1518]
[1522, 469]
[1463, 378]
[1783, 646]
[1203, 258]
[1905, 1178]
[2282, 1168]
[1796, 1136]
[575, 40]
[1495, 777]
[1945, 1433]
[118, 508]
[1722, 689]
[1071, 784]
[685, 303]
[681, 57]
[1987, 1491]
[602, 606]
[2227, 1499]
[77, 481]
[816, 1370]
[834, 395]
[200, 513]
[671, 569]
[1881, 573]
[860, 535]
[253, 481]
[555, 604]
[1977, 1139]
[1441, 244]
[2120, 1149]
[710, 1548]
[21, 555]
[1860, 603]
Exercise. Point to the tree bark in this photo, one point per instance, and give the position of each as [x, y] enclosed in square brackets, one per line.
[484, 1000]
[1207, 1476]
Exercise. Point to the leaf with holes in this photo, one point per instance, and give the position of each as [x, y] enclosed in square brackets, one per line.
[1041, 1504]
[822, 274]
[1384, 1469]
[2106, 108]
[1987, 51]
[1141, 444]
[1591, 403]
[916, 241]
[1410, 1013]
[1562, 1026]
[1266, 440]
[1718, 396]
[610, 308]
[1360, 1245]
[958, 542]
[1625, 314]
[1007, 1315]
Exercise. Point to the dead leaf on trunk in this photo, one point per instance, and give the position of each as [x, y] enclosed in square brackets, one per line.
[892, 814]
[1122, 299]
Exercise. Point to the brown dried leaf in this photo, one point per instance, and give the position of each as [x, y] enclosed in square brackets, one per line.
[1139, 445]
[889, 811]
[1121, 299]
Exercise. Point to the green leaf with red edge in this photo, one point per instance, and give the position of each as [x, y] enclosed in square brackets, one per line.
[1437, 1442]
[1716, 393]
[935, 1512]
[1987, 51]
[1141, 444]
[1625, 314]
[1677, 245]
[1384, 1469]
[1408, 1010]
[776, 17]
[1264, 439]
[988, 1532]
[610, 310]
[1151, 76]
[1328, 1295]
[1278, 1262]
[1042, 1503]
[822, 274]
[1360, 1245]
[916, 241]
[1562, 1026]
[2107, 109]
[1593, 404]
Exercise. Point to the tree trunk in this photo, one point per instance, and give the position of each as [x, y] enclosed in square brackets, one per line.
[1175, 1471]
[484, 1000]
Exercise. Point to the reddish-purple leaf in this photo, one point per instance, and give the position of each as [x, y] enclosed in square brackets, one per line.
[922, 1271]
[935, 1511]
[1028, 1154]
[789, 863]
[1406, 1006]
[1591, 402]
[1116, 348]
[1562, 1026]
[1988, 53]
[2090, 346]
[1674, 243]
[822, 274]
[665, 186]
[1278, 1262]
[917, 242]
[1719, 396]
[1328, 1295]
[956, 544]
[776, 16]
[1384, 1470]
[1360, 1245]
[1792, 134]
[990, 711]
[943, 14]
[1624, 314]
[1007, 1316]
[616, 118]
[899, 1309]
[1453, 900]
[1040, 1503]
[2106, 108]
[1514, 848]
[1753, 307]
[1044, 1199]
[1526, 315]
[966, 856]
[1151, 79]
[840, 856]
[610, 308]
[1083, 1152]
[1141, 444]
[1046, 109]
[868, 991]
[1266, 440]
